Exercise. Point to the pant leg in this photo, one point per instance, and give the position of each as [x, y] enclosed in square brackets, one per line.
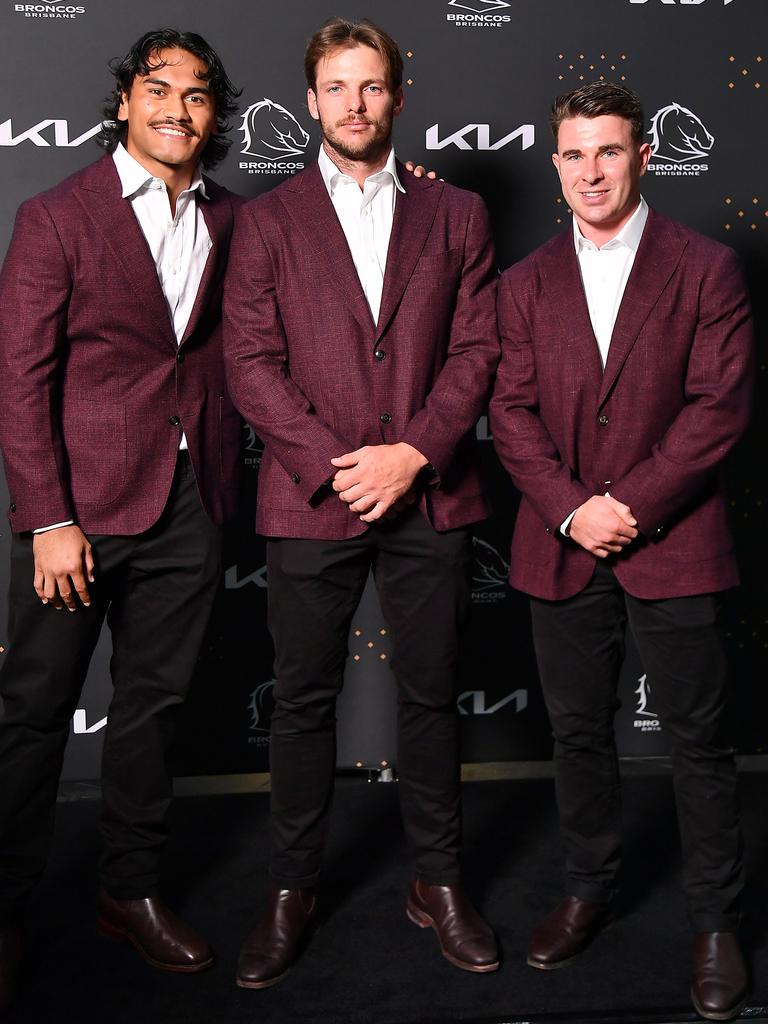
[579, 645]
[158, 619]
[42, 675]
[315, 587]
[682, 652]
[423, 581]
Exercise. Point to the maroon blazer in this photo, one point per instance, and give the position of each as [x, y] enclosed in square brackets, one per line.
[316, 378]
[653, 429]
[91, 372]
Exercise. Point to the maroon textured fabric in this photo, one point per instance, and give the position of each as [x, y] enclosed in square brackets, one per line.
[300, 347]
[653, 429]
[88, 361]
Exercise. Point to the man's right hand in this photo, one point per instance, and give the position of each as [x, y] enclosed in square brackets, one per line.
[63, 567]
[603, 526]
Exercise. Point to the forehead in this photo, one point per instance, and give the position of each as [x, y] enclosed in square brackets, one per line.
[587, 133]
[176, 66]
[359, 61]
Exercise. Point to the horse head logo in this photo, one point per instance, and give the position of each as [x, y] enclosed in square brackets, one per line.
[677, 134]
[491, 570]
[271, 132]
[260, 706]
[643, 692]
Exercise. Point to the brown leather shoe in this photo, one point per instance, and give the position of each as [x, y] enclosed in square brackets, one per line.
[465, 938]
[272, 946]
[568, 930]
[157, 934]
[11, 954]
[719, 976]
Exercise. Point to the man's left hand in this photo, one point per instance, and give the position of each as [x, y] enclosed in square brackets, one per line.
[373, 478]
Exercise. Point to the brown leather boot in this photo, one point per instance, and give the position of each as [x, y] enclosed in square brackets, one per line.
[568, 930]
[272, 946]
[465, 938]
[719, 986]
[158, 935]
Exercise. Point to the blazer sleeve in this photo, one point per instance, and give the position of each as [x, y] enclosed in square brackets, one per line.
[522, 441]
[717, 402]
[257, 365]
[35, 288]
[460, 391]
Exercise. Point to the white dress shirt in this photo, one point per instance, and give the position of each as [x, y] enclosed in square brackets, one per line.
[605, 271]
[179, 244]
[366, 217]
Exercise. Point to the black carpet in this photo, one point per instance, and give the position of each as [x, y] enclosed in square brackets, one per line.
[366, 962]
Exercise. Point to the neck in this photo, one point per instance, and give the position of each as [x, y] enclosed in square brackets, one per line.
[176, 178]
[359, 169]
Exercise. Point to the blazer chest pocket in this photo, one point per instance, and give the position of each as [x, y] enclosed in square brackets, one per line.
[95, 440]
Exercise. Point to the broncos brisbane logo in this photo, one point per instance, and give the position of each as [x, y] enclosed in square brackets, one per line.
[677, 134]
[271, 132]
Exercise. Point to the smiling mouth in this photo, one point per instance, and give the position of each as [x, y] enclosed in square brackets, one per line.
[594, 195]
[172, 131]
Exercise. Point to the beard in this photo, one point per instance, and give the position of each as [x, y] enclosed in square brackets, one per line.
[365, 150]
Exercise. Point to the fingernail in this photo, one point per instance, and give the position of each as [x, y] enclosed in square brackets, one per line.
[44, 600]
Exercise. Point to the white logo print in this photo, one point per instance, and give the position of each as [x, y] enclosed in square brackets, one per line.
[649, 720]
[271, 132]
[677, 134]
[260, 706]
[479, 6]
[490, 573]
[526, 133]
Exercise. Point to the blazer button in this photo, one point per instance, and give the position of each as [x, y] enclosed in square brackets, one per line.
[179, 357]
[174, 421]
[13, 508]
[379, 354]
[296, 478]
[603, 420]
[385, 417]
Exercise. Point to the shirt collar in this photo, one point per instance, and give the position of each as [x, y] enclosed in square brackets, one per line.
[332, 175]
[629, 235]
[134, 176]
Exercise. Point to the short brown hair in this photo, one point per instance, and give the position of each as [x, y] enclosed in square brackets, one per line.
[340, 34]
[595, 100]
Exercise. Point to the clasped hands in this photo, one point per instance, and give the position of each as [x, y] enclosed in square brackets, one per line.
[603, 525]
[377, 480]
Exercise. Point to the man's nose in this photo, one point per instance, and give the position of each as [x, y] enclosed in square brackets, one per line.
[176, 108]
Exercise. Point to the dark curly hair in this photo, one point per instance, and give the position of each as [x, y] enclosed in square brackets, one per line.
[139, 61]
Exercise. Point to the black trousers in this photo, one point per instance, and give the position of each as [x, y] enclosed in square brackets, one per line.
[422, 578]
[156, 590]
[579, 647]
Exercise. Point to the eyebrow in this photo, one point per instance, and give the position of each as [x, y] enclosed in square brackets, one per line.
[602, 149]
[161, 81]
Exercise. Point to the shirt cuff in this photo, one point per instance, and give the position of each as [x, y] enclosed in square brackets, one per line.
[566, 524]
[55, 526]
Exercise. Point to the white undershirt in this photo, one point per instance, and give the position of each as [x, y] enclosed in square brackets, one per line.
[605, 271]
[366, 218]
[179, 244]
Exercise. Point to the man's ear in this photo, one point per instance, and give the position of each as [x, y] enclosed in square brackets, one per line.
[312, 104]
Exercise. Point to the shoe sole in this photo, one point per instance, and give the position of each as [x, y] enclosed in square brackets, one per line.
[425, 921]
[111, 931]
[242, 983]
[569, 959]
[711, 1015]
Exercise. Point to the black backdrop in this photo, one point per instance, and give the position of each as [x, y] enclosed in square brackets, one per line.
[481, 75]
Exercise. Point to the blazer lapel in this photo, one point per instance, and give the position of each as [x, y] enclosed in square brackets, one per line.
[310, 206]
[415, 211]
[560, 269]
[217, 214]
[114, 219]
[657, 257]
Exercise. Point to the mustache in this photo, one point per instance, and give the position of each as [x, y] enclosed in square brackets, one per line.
[356, 120]
[169, 122]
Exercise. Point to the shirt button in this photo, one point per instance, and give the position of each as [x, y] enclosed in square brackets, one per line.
[174, 421]
[603, 420]
[380, 354]
[385, 417]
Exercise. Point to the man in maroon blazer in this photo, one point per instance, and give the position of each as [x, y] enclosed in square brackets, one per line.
[120, 450]
[623, 384]
[365, 384]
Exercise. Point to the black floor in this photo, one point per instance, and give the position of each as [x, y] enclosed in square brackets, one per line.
[367, 962]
